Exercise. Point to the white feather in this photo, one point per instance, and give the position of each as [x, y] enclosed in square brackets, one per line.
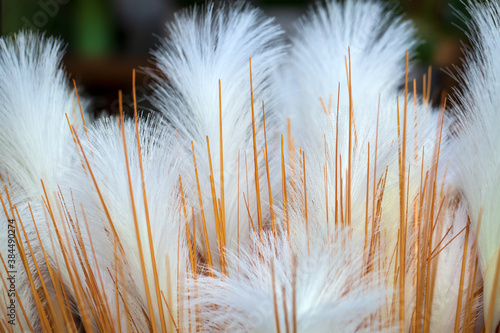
[34, 133]
[332, 292]
[377, 39]
[105, 152]
[317, 67]
[477, 153]
[377, 62]
[449, 243]
[203, 47]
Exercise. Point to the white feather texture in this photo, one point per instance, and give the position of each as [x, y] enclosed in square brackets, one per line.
[34, 133]
[317, 287]
[319, 64]
[477, 149]
[143, 227]
[105, 153]
[377, 39]
[204, 46]
[449, 293]
[35, 96]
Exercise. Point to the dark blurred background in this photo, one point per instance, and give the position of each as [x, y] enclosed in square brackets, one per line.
[106, 39]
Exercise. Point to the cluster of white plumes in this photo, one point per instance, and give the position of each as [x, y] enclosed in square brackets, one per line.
[345, 206]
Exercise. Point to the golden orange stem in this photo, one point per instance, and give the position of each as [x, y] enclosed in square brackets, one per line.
[256, 164]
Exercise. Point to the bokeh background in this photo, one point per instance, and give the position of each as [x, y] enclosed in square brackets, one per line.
[106, 39]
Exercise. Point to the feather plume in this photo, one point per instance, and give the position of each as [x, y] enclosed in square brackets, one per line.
[34, 97]
[330, 122]
[453, 276]
[377, 39]
[118, 220]
[206, 46]
[276, 286]
[354, 126]
[477, 156]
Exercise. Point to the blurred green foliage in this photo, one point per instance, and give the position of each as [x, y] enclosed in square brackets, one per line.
[90, 26]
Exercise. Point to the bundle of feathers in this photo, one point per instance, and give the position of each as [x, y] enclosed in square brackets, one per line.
[282, 184]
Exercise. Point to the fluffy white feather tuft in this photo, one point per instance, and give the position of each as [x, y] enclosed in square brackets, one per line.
[377, 39]
[112, 216]
[477, 153]
[203, 47]
[301, 287]
[321, 116]
[34, 133]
